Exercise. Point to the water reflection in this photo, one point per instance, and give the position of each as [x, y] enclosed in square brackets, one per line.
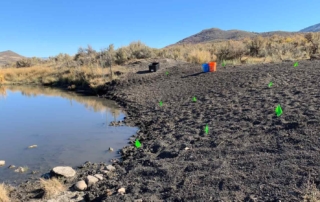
[3, 92]
[68, 128]
[90, 102]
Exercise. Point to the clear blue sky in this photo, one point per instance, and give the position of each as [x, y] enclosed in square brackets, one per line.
[45, 28]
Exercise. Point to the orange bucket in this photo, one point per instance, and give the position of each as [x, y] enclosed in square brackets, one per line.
[212, 66]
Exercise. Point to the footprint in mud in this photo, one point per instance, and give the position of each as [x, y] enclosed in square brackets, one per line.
[168, 154]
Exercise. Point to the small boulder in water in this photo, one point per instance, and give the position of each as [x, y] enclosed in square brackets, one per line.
[33, 146]
[114, 160]
[2, 162]
[116, 123]
[12, 166]
[20, 170]
[110, 149]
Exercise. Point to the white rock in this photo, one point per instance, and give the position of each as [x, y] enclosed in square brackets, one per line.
[187, 148]
[122, 190]
[19, 170]
[111, 168]
[12, 166]
[99, 176]
[65, 171]
[33, 146]
[138, 200]
[105, 171]
[90, 180]
[2, 163]
[110, 149]
[81, 185]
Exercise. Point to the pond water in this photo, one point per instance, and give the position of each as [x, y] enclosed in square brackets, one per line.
[67, 128]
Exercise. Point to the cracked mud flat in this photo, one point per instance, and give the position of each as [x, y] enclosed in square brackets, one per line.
[250, 154]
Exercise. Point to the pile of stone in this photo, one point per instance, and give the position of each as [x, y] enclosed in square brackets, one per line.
[116, 123]
[90, 180]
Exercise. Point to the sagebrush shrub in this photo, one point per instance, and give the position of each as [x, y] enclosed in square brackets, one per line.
[27, 62]
[121, 56]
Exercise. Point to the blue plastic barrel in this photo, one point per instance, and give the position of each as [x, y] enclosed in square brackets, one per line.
[205, 67]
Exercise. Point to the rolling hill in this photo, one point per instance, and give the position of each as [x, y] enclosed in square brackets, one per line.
[313, 28]
[9, 57]
[215, 34]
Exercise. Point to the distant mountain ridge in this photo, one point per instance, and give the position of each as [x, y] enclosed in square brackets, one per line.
[313, 28]
[9, 56]
[215, 34]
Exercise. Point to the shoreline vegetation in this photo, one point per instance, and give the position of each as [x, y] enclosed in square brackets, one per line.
[94, 70]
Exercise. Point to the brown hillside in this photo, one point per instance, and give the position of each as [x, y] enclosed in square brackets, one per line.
[216, 34]
[8, 56]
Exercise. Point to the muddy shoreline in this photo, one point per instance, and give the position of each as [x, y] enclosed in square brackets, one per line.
[249, 154]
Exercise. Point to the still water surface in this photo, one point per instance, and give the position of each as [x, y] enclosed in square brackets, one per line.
[69, 129]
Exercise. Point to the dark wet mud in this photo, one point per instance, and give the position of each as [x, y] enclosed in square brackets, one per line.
[249, 152]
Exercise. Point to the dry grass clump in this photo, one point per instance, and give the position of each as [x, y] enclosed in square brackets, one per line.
[199, 56]
[25, 75]
[4, 195]
[52, 187]
[312, 194]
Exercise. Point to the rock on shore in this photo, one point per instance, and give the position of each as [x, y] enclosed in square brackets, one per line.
[65, 171]
[90, 180]
[81, 185]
